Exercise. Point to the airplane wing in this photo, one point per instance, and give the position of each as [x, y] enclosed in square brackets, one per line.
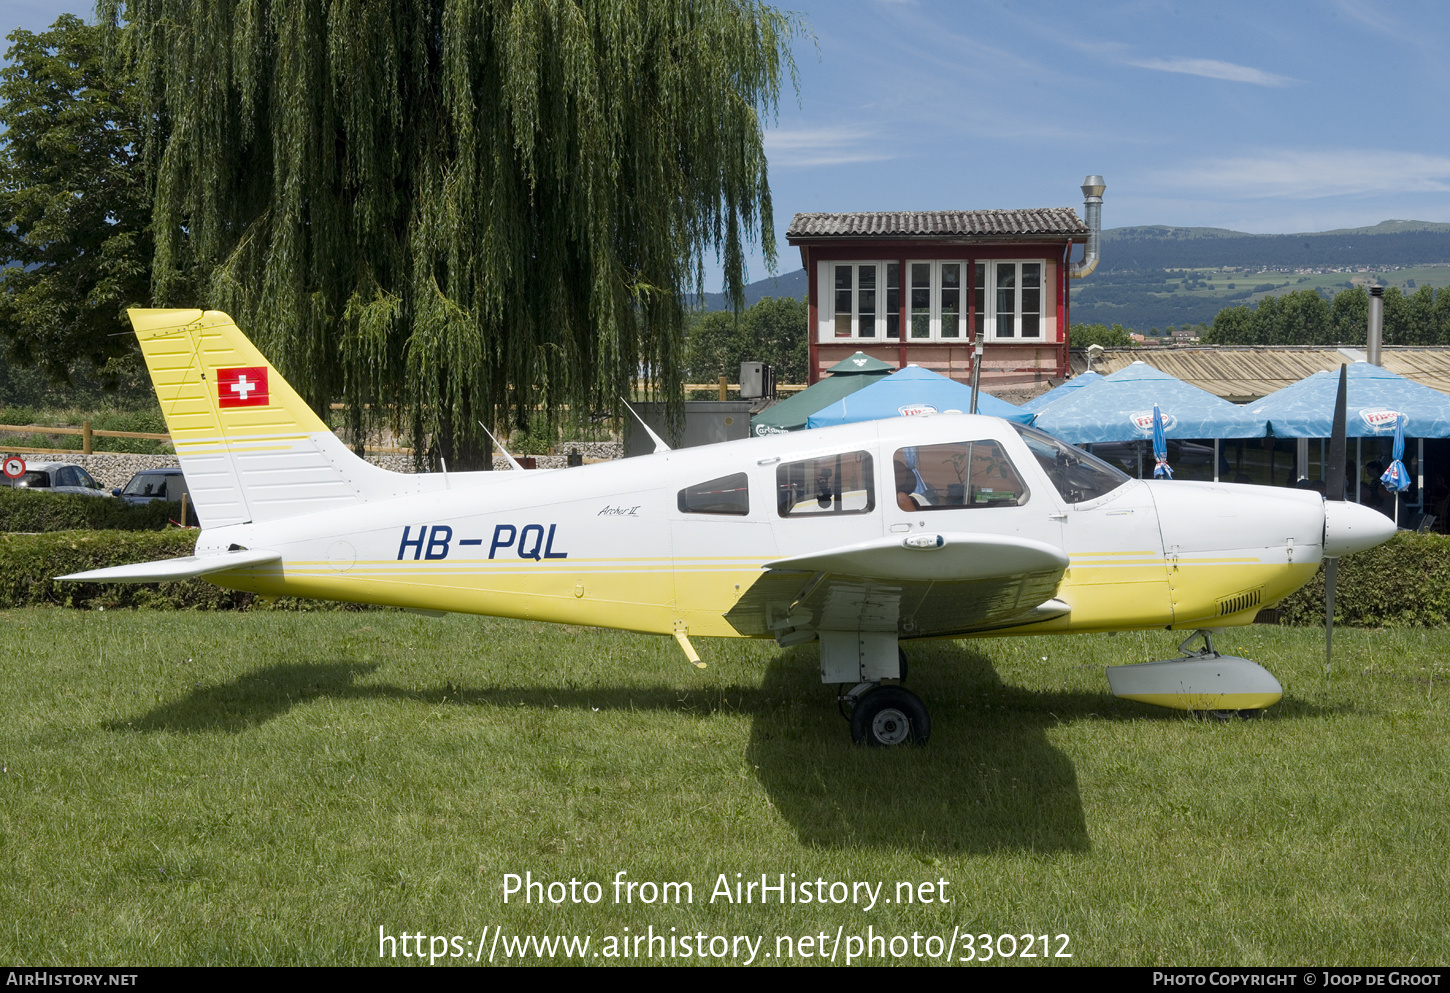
[919, 585]
[172, 570]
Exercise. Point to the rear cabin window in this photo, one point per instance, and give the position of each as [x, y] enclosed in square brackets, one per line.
[831, 484]
[956, 476]
[726, 495]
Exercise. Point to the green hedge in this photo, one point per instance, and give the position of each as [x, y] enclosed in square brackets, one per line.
[24, 510]
[1403, 583]
[29, 563]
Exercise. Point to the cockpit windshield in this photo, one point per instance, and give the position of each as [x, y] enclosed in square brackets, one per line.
[1077, 475]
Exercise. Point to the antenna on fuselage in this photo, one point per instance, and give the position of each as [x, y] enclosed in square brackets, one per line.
[512, 461]
[660, 445]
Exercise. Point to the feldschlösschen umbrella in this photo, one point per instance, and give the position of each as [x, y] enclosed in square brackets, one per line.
[1120, 408]
[1063, 391]
[1376, 398]
[913, 390]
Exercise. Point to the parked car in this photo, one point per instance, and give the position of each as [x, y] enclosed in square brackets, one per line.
[57, 477]
[157, 484]
[152, 484]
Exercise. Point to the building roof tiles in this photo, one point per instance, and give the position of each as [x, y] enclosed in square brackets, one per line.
[1051, 221]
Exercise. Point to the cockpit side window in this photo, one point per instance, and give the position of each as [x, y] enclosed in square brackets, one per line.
[1076, 474]
[725, 495]
[831, 484]
[957, 476]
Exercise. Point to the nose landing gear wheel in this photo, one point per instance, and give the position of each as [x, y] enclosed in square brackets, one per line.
[888, 716]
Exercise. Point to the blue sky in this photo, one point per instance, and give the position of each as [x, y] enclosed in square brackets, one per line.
[1258, 116]
[1262, 117]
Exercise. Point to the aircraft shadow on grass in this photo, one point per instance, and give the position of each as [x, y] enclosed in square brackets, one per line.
[989, 780]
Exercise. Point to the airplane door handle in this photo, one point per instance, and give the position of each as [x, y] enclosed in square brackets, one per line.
[1058, 517]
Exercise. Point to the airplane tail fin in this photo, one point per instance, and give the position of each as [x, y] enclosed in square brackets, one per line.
[250, 448]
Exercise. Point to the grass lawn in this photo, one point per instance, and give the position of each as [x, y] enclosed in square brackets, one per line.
[275, 788]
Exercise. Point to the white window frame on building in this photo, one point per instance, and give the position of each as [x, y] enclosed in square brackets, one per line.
[938, 292]
[872, 312]
[993, 294]
[867, 310]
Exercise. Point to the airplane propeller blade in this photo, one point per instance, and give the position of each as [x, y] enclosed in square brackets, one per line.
[1334, 490]
[1334, 486]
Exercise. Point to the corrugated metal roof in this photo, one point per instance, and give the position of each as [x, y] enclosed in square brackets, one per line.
[1055, 221]
[1250, 372]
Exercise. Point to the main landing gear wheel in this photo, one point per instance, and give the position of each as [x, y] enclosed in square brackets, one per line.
[846, 700]
[890, 715]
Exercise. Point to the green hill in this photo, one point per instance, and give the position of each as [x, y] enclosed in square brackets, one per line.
[1157, 275]
[1153, 276]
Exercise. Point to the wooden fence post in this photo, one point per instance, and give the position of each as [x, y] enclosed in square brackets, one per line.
[86, 437]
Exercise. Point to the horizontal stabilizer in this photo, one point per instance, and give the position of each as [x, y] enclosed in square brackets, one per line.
[172, 570]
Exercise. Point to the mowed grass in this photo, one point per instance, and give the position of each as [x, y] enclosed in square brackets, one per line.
[267, 788]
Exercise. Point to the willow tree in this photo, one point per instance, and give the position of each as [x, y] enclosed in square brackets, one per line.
[457, 209]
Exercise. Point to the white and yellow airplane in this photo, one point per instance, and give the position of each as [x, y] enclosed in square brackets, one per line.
[858, 537]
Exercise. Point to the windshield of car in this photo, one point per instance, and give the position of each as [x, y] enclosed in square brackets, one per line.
[146, 484]
[1077, 475]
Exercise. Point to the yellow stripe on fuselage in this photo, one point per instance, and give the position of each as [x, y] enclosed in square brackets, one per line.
[650, 594]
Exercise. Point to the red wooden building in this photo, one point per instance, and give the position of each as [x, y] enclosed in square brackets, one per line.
[921, 287]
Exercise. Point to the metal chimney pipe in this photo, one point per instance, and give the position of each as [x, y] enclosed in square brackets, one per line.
[1092, 208]
[1376, 324]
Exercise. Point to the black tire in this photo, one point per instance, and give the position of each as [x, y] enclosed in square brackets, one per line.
[888, 716]
[901, 661]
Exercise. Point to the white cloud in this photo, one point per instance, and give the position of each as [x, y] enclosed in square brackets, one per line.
[1307, 175]
[1214, 69]
[814, 147]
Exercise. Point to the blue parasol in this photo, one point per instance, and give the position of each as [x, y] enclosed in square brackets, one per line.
[912, 390]
[1119, 408]
[1396, 477]
[1160, 447]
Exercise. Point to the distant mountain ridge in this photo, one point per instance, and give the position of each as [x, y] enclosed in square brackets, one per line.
[1167, 232]
[1137, 284]
[790, 284]
[1389, 243]
[1156, 276]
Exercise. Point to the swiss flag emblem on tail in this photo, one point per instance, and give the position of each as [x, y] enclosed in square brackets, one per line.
[245, 386]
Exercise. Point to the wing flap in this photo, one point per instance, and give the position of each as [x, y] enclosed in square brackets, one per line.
[172, 570]
[924, 556]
